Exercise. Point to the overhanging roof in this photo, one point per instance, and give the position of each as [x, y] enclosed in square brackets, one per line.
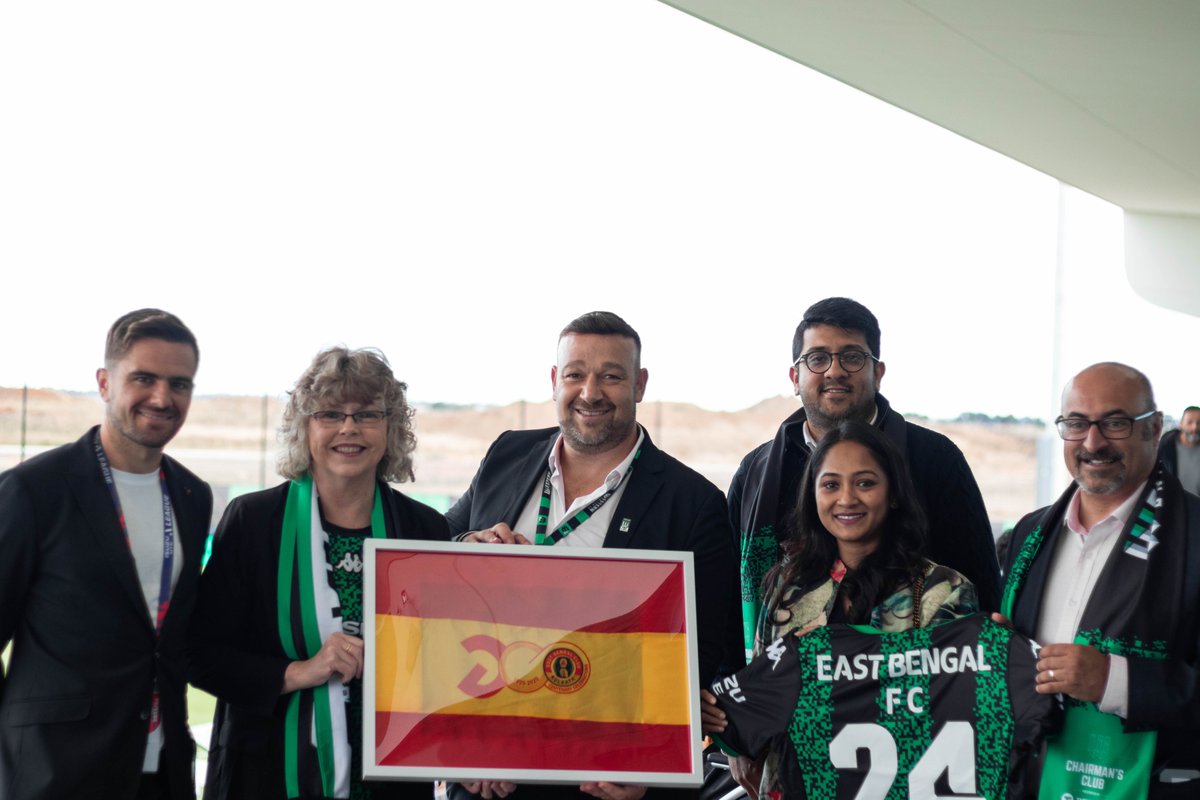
[1102, 94]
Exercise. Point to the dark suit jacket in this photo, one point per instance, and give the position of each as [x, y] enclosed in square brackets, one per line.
[669, 507]
[235, 649]
[1164, 695]
[74, 704]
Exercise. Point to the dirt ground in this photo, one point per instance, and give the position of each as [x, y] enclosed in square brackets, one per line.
[226, 442]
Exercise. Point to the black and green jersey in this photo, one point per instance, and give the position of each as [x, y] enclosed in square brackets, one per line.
[344, 562]
[946, 711]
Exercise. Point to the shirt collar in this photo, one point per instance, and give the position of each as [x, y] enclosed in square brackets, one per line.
[810, 442]
[613, 479]
[1119, 515]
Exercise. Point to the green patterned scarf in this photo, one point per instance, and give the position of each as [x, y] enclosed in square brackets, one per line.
[305, 603]
[1129, 613]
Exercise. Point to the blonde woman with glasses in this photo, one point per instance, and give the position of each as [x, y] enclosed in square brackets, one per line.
[277, 631]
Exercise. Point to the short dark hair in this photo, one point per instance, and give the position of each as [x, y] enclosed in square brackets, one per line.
[1189, 408]
[839, 312]
[146, 323]
[604, 323]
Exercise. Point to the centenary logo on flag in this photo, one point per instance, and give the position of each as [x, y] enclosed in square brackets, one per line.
[530, 664]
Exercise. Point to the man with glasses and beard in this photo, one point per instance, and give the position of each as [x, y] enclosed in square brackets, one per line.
[836, 372]
[1108, 581]
[1180, 450]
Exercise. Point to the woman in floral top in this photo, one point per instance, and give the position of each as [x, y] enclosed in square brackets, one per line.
[853, 555]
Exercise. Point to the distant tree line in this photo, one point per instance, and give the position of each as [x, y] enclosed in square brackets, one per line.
[987, 419]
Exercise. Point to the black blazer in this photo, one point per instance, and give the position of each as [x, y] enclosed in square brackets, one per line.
[74, 704]
[234, 643]
[669, 507]
[1164, 694]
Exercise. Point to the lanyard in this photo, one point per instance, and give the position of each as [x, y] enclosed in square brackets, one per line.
[561, 532]
[164, 591]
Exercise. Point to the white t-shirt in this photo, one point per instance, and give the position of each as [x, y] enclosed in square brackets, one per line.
[141, 502]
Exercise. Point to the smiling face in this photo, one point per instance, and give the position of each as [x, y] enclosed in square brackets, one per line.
[1108, 470]
[837, 395]
[852, 496]
[1189, 428]
[348, 452]
[147, 394]
[597, 386]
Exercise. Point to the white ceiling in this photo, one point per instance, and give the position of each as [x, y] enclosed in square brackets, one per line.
[1102, 94]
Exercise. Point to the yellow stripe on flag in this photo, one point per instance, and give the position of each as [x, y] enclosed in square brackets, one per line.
[451, 666]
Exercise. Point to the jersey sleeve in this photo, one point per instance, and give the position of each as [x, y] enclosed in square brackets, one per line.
[759, 700]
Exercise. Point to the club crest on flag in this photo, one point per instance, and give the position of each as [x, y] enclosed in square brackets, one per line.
[566, 668]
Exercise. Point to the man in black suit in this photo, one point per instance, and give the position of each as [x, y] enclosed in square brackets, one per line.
[1108, 581]
[100, 548]
[606, 485]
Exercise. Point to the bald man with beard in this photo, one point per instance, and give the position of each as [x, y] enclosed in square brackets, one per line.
[1108, 581]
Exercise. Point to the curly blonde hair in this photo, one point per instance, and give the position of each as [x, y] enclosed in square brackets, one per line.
[341, 375]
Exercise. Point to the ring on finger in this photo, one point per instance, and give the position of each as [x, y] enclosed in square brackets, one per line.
[1051, 673]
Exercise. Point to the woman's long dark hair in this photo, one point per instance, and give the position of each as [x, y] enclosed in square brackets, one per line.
[810, 550]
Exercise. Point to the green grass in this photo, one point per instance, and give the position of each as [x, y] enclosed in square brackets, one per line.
[201, 706]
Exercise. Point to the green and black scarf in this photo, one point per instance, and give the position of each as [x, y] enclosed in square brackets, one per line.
[316, 745]
[1130, 613]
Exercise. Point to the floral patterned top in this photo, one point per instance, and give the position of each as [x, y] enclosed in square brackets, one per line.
[946, 595]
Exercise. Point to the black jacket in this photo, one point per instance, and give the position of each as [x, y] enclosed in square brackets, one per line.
[1168, 447]
[959, 530]
[668, 506]
[74, 704]
[1164, 694]
[234, 645]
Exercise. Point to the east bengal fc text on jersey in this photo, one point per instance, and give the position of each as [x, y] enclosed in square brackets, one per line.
[947, 711]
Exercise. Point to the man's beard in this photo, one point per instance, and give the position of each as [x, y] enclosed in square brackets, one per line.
[860, 412]
[1092, 484]
[599, 439]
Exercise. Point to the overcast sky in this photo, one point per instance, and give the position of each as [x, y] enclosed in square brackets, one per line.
[453, 182]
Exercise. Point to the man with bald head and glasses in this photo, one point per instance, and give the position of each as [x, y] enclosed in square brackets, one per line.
[1108, 581]
[836, 373]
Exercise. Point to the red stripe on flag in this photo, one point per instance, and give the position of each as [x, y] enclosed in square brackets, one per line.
[567, 593]
[443, 740]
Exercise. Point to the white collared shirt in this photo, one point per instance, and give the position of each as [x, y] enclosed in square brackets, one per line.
[592, 531]
[1078, 561]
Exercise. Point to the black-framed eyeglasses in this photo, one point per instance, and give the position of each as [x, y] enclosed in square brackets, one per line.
[1074, 429]
[334, 419]
[819, 361]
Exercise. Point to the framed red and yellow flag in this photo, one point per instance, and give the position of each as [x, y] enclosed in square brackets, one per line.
[530, 664]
